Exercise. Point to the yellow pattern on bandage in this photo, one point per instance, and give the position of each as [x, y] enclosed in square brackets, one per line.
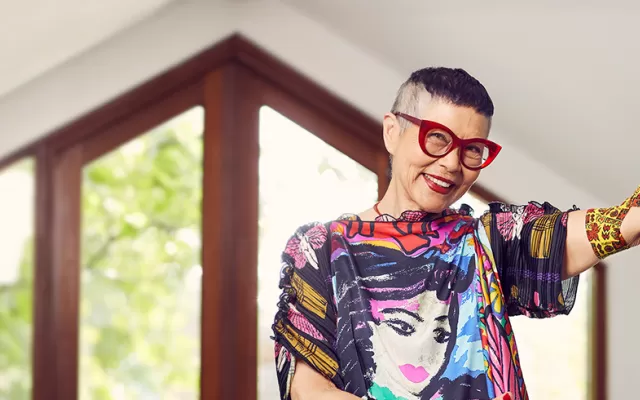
[603, 226]
[308, 297]
[310, 352]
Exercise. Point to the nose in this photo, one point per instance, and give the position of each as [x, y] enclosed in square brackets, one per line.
[452, 161]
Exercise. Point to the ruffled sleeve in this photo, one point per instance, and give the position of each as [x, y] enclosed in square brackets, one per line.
[528, 244]
[305, 325]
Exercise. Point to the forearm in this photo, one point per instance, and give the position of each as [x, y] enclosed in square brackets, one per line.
[330, 394]
[307, 384]
[631, 227]
[594, 234]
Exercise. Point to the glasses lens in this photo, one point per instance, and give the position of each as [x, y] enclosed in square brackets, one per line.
[475, 154]
[437, 142]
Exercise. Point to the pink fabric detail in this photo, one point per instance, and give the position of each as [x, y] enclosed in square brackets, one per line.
[293, 250]
[277, 348]
[317, 236]
[564, 218]
[413, 373]
[532, 212]
[505, 223]
[503, 367]
[301, 323]
[378, 305]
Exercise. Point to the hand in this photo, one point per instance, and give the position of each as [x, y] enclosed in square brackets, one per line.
[307, 384]
[506, 396]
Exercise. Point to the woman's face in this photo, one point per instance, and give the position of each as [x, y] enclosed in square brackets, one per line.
[410, 341]
[427, 183]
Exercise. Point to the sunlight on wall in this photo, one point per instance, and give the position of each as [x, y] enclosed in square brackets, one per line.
[17, 211]
[16, 214]
[302, 179]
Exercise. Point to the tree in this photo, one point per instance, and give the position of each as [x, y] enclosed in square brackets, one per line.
[16, 279]
[140, 278]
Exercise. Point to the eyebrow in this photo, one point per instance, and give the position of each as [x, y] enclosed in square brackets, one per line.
[402, 311]
[442, 318]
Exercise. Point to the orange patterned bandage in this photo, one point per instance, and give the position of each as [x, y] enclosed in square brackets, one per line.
[603, 226]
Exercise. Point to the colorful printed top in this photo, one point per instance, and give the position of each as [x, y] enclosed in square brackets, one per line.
[419, 307]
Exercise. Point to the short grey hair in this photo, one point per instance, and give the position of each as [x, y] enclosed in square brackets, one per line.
[407, 101]
[455, 86]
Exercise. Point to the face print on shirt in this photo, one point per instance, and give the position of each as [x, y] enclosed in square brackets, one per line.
[420, 329]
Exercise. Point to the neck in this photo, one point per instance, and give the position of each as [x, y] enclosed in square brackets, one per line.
[396, 201]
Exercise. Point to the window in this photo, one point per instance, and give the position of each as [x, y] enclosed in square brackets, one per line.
[141, 273]
[16, 279]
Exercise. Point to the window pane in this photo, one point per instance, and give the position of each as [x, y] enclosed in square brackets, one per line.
[554, 352]
[141, 272]
[300, 177]
[16, 279]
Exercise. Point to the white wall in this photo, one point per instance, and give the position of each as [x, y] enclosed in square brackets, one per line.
[132, 57]
[188, 27]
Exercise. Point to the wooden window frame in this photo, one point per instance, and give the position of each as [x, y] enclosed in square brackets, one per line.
[232, 80]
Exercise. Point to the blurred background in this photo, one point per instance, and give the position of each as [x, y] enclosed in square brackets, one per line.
[156, 155]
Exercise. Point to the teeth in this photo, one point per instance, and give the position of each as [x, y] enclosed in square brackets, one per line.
[438, 182]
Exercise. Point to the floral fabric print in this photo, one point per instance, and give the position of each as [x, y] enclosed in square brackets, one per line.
[603, 227]
[418, 307]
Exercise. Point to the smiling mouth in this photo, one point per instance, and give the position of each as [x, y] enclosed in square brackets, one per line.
[438, 184]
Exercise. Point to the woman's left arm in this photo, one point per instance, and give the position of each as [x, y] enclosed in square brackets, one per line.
[595, 234]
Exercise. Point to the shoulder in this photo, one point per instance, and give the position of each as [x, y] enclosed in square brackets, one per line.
[510, 219]
[317, 232]
[311, 228]
[303, 246]
[530, 211]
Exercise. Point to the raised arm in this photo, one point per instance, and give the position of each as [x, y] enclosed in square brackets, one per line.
[595, 234]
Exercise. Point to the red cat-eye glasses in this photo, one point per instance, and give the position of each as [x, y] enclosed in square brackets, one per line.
[436, 140]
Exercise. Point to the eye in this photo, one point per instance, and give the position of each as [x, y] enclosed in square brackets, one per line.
[401, 327]
[441, 335]
[438, 137]
[474, 149]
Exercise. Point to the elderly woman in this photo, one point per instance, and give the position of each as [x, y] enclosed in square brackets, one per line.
[411, 299]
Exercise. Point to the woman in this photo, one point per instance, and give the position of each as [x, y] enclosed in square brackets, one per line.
[411, 299]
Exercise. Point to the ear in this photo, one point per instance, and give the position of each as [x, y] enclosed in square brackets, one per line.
[391, 132]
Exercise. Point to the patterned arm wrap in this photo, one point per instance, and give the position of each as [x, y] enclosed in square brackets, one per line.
[603, 226]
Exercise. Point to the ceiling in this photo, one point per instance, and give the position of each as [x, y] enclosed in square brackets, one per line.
[564, 77]
[29, 27]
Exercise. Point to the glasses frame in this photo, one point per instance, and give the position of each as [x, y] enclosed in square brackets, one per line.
[426, 126]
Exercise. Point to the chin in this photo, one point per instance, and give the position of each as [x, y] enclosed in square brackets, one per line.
[434, 204]
[433, 208]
